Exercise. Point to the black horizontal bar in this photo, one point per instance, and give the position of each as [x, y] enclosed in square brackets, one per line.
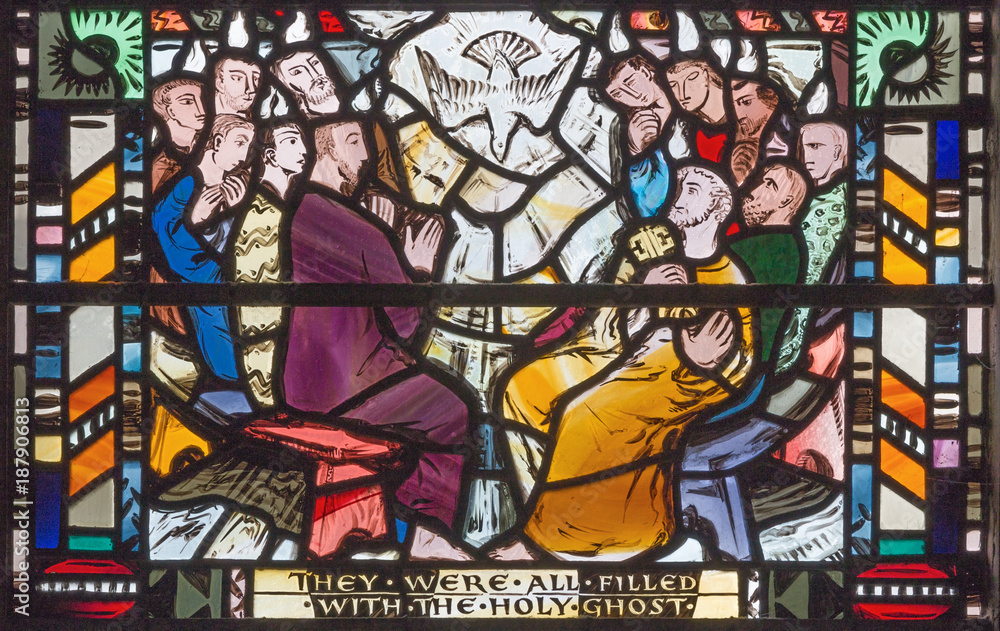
[869, 296]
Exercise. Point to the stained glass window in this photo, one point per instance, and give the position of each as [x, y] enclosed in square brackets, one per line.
[449, 312]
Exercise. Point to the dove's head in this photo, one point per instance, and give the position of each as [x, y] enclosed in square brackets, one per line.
[502, 128]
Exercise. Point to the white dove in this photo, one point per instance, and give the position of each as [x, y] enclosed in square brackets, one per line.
[505, 99]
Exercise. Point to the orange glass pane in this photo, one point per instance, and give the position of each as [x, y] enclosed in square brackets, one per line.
[905, 471]
[902, 399]
[167, 21]
[91, 393]
[92, 462]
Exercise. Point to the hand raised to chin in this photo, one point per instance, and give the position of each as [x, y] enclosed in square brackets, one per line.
[208, 202]
[643, 128]
[234, 188]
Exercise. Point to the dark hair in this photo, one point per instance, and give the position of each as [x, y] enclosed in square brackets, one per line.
[267, 140]
[637, 62]
[217, 71]
[766, 95]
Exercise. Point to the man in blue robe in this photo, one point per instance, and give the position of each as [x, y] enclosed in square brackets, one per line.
[191, 223]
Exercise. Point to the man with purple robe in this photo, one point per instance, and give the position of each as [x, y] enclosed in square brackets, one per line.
[353, 363]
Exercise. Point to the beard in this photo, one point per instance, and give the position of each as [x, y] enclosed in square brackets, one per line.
[756, 215]
[320, 91]
[351, 179]
[750, 125]
[685, 218]
[239, 103]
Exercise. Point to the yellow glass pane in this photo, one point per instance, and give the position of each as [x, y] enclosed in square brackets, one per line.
[716, 607]
[170, 437]
[93, 193]
[898, 268]
[521, 320]
[948, 237]
[95, 263]
[905, 198]
[48, 448]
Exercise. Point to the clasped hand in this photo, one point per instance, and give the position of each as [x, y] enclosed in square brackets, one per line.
[216, 197]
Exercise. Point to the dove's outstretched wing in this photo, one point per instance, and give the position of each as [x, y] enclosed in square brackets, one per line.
[455, 100]
[535, 96]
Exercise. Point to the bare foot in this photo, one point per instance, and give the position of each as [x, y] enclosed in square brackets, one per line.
[516, 551]
[430, 546]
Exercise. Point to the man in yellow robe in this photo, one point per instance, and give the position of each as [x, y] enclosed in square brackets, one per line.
[596, 424]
